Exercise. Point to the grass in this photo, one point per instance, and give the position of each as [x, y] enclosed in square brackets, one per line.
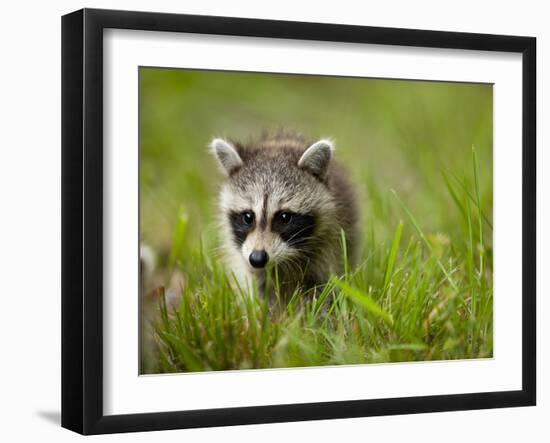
[423, 287]
[428, 297]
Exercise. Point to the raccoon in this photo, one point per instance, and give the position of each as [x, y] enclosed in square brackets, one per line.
[283, 206]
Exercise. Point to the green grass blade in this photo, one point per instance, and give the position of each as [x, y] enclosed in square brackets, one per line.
[344, 252]
[471, 248]
[393, 255]
[454, 195]
[365, 301]
[472, 199]
[480, 219]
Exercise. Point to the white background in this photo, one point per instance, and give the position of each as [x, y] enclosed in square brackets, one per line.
[30, 220]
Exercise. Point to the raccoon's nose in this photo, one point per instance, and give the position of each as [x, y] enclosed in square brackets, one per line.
[258, 259]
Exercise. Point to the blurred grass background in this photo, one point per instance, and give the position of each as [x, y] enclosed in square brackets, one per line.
[414, 137]
[391, 134]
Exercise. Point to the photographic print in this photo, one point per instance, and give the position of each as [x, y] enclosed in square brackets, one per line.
[253, 209]
[291, 220]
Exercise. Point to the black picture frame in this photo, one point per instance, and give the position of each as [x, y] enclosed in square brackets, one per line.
[82, 220]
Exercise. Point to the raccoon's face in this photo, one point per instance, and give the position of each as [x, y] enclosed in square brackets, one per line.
[275, 205]
[277, 236]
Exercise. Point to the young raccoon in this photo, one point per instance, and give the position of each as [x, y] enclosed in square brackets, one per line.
[284, 203]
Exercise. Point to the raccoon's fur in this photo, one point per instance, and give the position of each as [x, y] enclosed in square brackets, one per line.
[284, 204]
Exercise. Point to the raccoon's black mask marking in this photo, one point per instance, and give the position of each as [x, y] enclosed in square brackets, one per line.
[240, 227]
[297, 230]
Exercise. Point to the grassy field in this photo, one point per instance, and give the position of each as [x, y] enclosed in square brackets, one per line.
[420, 155]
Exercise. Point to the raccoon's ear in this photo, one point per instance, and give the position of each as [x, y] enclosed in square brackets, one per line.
[228, 157]
[317, 157]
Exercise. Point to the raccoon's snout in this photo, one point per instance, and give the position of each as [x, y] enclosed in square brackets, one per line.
[258, 258]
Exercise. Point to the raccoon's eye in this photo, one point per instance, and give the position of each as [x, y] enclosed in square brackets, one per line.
[285, 217]
[248, 217]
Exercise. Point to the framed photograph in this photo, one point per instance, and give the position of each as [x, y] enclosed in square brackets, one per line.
[269, 221]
